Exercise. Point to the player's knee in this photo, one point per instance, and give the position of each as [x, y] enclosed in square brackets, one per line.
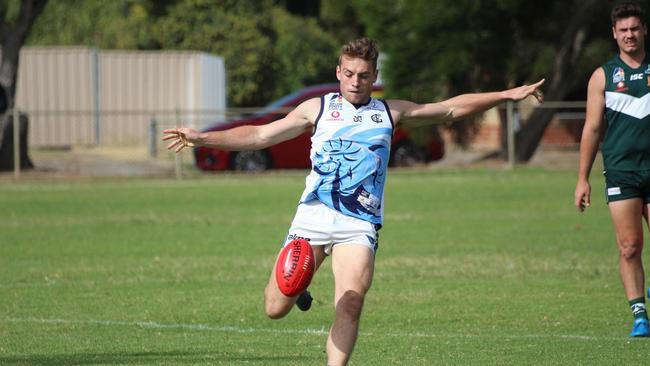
[630, 248]
[274, 307]
[275, 311]
[350, 305]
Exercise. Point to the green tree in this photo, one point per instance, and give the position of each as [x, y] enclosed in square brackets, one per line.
[304, 54]
[16, 21]
[442, 48]
[116, 24]
[239, 31]
[268, 51]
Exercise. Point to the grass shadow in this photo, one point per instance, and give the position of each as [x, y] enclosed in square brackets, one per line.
[149, 358]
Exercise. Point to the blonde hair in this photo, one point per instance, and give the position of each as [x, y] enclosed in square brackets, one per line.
[363, 48]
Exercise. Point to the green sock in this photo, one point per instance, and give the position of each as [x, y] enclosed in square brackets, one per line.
[638, 308]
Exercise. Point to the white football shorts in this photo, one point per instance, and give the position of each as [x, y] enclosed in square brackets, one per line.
[321, 225]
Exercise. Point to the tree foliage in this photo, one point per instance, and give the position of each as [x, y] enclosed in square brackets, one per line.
[304, 53]
[16, 21]
[239, 31]
[443, 48]
[118, 24]
[435, 49]
[268, 51]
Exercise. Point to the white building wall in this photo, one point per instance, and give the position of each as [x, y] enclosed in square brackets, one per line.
[57, 88]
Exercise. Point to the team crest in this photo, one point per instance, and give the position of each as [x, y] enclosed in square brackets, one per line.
[618, 76]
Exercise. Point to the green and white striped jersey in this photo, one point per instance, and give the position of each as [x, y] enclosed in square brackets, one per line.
[626, 145]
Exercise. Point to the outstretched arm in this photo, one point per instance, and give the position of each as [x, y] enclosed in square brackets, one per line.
[463, 105]
[250, 137]
[590, 137]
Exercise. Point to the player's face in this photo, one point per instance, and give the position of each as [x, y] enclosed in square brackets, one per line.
[629, 34]
[356, 77]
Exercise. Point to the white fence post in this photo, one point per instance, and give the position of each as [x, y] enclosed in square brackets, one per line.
[153, 137]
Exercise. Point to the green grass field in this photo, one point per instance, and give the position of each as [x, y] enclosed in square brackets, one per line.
[475, 267]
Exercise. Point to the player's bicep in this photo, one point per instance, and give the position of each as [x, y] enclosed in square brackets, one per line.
[292, 125]
[595, 101]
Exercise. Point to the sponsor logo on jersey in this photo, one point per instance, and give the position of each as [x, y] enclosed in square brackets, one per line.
[619, 75]
[336, 106]
[357, 119]
[369, 201]
[636, 77]
[613, 191]
[291, 237]
[620, 86]
[336, 103]
[335, 116]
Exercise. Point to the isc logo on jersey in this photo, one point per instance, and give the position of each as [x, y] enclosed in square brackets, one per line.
[636, 76]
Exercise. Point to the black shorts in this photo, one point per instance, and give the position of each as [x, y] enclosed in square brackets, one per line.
[624, 185]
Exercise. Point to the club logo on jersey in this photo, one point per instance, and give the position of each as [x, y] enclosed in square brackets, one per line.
[376, 118]
[618, 76]
[647, 71]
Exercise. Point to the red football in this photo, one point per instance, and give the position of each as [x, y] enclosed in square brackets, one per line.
[295, 267]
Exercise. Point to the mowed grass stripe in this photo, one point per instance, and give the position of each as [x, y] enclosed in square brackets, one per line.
[475, 266]
[316, 332]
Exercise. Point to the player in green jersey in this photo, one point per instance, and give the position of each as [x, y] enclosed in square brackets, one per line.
[618, 98]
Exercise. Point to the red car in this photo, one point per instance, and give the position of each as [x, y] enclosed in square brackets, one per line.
[294, 154]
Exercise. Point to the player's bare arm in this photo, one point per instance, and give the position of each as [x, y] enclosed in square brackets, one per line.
[590, 137]
[463, 105]
[299, 120]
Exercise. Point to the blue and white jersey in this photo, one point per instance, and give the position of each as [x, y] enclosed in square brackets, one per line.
[349, 155]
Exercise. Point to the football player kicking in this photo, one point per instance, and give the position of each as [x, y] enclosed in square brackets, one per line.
[341, 208]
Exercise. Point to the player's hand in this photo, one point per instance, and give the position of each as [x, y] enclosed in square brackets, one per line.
[524, 91]
[582, 197]
[180, 138]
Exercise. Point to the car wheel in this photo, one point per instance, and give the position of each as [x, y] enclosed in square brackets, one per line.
[404, 154]
[251, 161]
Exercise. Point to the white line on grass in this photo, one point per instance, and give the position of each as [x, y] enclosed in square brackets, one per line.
[157, 325]
[306, 331]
